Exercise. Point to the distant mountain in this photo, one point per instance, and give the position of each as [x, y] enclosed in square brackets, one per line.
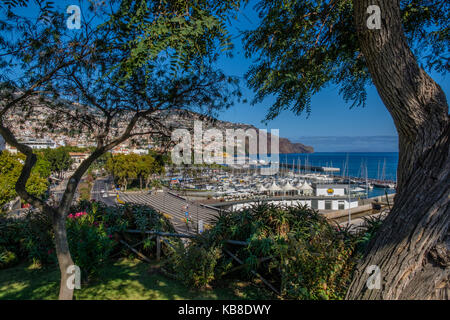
[40, 123]
[352, 143]
[286, 146]
[185, 119]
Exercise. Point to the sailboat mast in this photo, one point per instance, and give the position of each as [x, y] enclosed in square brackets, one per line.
[348, 176]
[367, 183]
[378, 172]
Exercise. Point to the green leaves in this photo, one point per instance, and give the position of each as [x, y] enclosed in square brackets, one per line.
[126, 168]
[58, 158]
[10, 168]
[300, 47]
[294, 248]
[426, 24]
[90, 244]
[180, 31]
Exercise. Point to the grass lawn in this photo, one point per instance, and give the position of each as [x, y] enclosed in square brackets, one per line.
[123, 280]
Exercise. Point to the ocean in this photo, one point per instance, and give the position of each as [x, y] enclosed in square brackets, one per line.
[357, 162]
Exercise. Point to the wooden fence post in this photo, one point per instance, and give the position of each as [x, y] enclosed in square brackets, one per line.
[135, 251]
[158, 248]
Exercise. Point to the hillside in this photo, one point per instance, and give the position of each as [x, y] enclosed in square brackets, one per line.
[43, 122]
[185, 119]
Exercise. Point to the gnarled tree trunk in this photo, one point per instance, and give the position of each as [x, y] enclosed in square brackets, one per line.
[63, 255]
[412, 248]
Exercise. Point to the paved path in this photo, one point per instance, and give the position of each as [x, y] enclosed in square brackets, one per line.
[358, 222]
[174, 208]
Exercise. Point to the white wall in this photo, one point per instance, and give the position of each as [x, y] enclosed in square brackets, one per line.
[335, 205]
[321, 204]
[324, 192]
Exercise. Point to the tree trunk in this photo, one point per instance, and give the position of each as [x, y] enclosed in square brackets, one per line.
[412, 248]
[63, 255]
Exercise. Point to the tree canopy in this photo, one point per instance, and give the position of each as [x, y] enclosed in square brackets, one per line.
[58, 158]
[300, 47]
[128, 167]
[113, 79]
[10, 168]
[93, 81]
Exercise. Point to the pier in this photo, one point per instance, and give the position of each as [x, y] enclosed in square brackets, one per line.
[309, 168]
[341, 179]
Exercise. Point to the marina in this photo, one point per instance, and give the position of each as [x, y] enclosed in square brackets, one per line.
[207, 190]
[239, 186]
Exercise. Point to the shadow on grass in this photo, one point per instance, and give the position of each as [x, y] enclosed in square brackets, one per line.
[28, 282]
[123, 280]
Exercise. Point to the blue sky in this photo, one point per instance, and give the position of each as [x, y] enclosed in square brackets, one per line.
[360, 129]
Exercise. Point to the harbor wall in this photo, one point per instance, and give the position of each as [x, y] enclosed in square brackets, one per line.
[366, 205]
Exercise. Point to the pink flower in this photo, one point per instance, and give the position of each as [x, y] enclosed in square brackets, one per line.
[80, 214]
[70, 216]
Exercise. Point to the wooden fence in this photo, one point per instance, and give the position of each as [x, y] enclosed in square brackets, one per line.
[160, 237]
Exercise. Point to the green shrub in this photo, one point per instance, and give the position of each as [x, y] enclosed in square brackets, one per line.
[370, 226]
[196, 265]
[29, 237]
[293, 248]
[7, 258]
[38, 238]
[115, 220]
[89, 242]
[91, 236]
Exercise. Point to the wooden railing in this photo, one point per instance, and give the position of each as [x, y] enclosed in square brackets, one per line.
[160, 237]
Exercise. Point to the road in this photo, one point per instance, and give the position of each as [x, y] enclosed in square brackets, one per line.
[102, 187]
[57, 192]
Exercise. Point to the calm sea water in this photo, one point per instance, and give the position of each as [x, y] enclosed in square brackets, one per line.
[357, 162]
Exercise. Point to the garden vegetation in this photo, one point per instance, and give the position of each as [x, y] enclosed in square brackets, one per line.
[299, 253]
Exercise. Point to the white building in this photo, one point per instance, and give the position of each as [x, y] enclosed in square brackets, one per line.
[140, 152]
[331, 190]
[39, 143]
[78, 158]
[334, 203]
[317, 203]
[33, 143]
[325, 197]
